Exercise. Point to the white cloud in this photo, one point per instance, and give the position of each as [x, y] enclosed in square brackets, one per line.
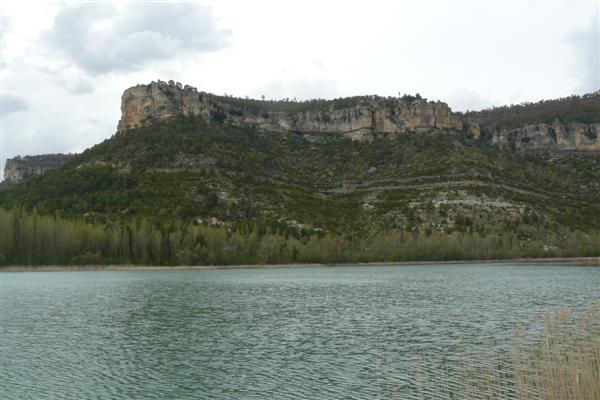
[465, 100]
[586, 48]
[64, 67]
[301, 88]
[102, 38]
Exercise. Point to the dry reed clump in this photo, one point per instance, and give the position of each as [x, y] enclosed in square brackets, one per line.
[565, 362]
[483, 379]
[554, 359]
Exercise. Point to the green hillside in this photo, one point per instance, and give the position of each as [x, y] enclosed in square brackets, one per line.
[428, 185]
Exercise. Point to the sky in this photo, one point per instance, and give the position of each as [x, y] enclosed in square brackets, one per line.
[64, 65]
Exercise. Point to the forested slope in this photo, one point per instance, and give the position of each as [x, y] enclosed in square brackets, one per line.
[362, 200]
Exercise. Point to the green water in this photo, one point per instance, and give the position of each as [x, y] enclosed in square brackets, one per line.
[301, 333]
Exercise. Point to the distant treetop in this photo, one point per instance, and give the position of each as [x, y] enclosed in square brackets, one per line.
[583, 109]
[293, 105]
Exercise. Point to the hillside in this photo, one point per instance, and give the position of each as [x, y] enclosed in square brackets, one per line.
[184, 171]
[184, 168]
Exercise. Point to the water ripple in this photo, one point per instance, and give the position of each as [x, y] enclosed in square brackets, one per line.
[318, 333]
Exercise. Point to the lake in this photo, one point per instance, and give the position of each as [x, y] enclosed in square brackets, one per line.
[282, 333]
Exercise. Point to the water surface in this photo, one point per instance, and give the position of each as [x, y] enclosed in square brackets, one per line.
[297, 333]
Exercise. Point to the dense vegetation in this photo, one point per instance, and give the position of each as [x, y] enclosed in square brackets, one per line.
[31, 239]
[582, 109]
[43, 161]
[182, 191]
[255, 106]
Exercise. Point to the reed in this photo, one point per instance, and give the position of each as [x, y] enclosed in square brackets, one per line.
[565, 363]
[554, 357]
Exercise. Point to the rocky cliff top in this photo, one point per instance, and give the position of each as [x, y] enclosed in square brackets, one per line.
[359, 117]
[567, 124]
[356, 116]
[19, 168]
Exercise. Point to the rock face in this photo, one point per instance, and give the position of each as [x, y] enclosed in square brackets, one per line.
[356, 117]
[362, 115]
[555, 136]
[20, 168]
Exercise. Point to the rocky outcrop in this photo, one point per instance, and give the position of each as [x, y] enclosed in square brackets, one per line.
[357, 116]
[20, 168]
[555, 136]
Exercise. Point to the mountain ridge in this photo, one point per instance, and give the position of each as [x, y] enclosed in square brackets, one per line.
[554, 126]
[418, 171]
[358, 117]
[19, 168]
[181, 190]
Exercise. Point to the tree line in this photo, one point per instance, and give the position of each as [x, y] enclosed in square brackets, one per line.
[27, 238]
[582, 109]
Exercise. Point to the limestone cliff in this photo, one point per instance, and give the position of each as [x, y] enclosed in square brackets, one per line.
[354, 116]
[542, 136]
[357, 117]
[19, 168]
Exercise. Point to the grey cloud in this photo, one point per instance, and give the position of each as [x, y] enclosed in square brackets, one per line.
[100, 38]
[11, 104]
[586, 48]
[192, 25]
[79, 87]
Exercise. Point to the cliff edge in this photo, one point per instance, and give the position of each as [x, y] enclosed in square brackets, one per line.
[20, 168]
[357, 117]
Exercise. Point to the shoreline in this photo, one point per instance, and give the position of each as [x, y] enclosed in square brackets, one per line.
[572, 261]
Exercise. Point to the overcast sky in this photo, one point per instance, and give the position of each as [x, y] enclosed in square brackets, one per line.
[65, 66]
